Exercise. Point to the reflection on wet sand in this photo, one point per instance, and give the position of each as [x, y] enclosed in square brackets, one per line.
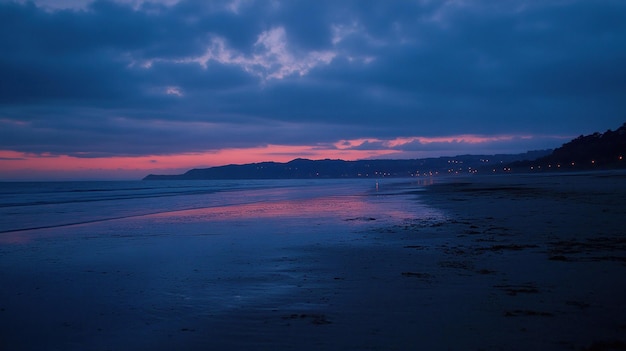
[330, 208]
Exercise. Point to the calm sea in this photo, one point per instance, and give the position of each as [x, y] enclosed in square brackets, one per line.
[174, 265]
[40, 205]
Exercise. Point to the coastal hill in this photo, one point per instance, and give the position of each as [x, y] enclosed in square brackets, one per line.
[587, 152]
[308, 169]
[596, 151]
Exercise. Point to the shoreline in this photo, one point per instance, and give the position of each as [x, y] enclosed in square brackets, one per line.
[483, 262]
[514, 263]
[488, 274]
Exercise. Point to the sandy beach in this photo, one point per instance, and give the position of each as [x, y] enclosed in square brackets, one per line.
[512, 262]
[547, 253]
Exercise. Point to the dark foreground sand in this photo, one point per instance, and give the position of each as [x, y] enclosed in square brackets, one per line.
[533, 262]
[515, 262]
[547, 254]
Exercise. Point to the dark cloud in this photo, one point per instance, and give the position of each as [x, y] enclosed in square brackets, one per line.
[133, 78]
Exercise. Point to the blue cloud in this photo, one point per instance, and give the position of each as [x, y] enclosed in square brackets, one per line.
[107, 76]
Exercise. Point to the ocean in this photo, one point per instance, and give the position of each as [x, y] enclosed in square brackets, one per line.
[39, 205]
[142, 264]
[483, 262]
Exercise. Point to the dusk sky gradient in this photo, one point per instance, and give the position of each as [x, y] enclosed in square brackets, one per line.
[119, 89]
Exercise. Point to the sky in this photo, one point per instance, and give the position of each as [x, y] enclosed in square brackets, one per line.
[119, 89]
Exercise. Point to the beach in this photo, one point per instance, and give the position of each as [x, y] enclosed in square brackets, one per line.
[549, 253]
[512, 262]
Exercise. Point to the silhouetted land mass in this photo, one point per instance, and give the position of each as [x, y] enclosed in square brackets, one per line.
[309, 169]
[587, 152]
[596, 151]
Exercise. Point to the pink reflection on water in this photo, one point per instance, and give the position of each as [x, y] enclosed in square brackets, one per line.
[14, 238]
[348, 208]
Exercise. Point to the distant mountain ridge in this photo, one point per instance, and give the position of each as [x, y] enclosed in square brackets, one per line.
[595, 151]
[310, 169]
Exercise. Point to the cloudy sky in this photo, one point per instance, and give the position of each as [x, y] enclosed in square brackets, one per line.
[120, 89]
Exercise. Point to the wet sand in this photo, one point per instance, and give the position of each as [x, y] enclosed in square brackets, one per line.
[522, 262]
[489, 263]
[551, 250]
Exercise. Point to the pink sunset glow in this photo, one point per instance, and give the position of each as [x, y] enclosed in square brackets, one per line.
[255, 86]
[466, 139]
[455, 139]
[28, 166]
[17, 165]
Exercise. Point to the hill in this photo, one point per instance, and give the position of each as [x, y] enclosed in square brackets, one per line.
[595, 151]
[587, 152]
[308, 169]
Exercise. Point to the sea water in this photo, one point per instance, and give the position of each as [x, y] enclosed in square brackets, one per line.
[32, 205]
[97, 265]
[27, 206]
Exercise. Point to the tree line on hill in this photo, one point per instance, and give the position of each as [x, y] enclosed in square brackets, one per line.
[587, 152]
